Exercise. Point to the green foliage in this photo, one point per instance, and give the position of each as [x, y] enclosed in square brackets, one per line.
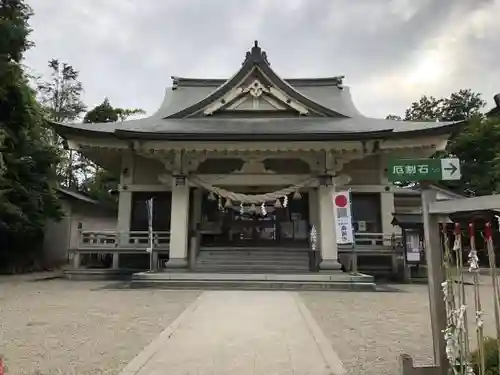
[102, 181]
[125, 113]
[393, 117]
[428, 108]
[490, 358]
[27, 181]
[462, 105]
[104, 112]
[14, 30]
[459, 106]
[61, 95]
[477, 147]
[99, 185]
[476, 143]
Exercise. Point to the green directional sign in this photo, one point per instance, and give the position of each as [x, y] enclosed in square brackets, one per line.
[424, 169]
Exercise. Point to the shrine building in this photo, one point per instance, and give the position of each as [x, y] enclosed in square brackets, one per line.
[248, 164]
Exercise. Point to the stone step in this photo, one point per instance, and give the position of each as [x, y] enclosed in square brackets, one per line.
[253, 256]
[257, 259]
[251, 269]
[277, 262]
[252, 260]
[309, 281]
[253, 285]
[256, 251]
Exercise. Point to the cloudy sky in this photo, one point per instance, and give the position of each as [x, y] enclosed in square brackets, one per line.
[391, 51]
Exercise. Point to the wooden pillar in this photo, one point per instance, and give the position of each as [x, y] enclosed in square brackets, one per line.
[179, 225]
[124, 204]
[434, 257]
[194, 240]
[327, 229]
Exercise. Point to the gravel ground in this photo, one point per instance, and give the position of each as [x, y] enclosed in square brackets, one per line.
[64, 327]
[370, 330]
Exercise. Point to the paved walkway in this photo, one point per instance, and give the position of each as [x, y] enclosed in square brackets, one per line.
[240, 332]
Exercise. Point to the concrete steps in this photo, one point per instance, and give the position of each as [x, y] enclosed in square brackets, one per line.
[227, 281]
[253, 260]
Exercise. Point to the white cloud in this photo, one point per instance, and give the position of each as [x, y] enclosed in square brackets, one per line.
[392, 51]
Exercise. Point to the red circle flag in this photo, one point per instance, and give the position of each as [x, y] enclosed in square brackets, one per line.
[341, 200]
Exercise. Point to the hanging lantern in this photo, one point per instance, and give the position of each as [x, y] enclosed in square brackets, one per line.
[263, 209]
[285, 201]
[297, 196]
[228, 203]
[211, 196]
[252, 208]
[277, 204]
[242, 210]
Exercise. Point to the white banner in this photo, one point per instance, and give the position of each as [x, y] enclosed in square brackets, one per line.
[342, 207]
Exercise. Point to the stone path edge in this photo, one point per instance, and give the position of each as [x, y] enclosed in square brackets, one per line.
[325, 348]
[329, 356]
[134, 366]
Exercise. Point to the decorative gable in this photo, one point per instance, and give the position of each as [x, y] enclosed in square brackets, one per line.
[256, 88]
[254, 95]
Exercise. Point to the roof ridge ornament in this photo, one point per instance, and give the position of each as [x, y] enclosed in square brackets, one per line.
[256, 55]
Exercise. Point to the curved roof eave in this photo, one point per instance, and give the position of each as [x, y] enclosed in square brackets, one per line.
[298, 128]
[388, 134]
[64, 130]
[126, 134]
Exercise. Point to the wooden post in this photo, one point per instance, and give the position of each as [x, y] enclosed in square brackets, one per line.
[116, 261]
[434, 257]
[406, 266]
[76, 260]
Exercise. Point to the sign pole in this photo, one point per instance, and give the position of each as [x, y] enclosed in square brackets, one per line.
[150, 207]
[434, 258]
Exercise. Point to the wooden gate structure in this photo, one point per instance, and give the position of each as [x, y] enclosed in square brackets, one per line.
[448, 310]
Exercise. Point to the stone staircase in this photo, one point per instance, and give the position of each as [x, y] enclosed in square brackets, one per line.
[253, 260]
[248, 281]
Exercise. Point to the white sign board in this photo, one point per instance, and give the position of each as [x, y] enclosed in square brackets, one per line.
[342, 207]
[413, 247]
[450, 169]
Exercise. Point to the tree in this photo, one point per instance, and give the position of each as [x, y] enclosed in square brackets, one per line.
[125, 113]
[60, 97]
[462, 105]
[459, 106]
[28, 181]
[102, 180]
[105, 112]
[477, 148]
[393, 117]
[476, 143]
[428, 108]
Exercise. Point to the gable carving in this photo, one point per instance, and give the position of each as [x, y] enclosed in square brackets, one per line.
[255, 94]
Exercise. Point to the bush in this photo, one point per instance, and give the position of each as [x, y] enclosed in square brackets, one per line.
[490, 357]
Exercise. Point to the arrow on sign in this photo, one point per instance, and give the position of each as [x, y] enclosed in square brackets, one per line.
[452, 168]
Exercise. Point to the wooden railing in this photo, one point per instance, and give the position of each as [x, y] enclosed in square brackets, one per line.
[103, 240]
[372, 244]
[377, 239]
